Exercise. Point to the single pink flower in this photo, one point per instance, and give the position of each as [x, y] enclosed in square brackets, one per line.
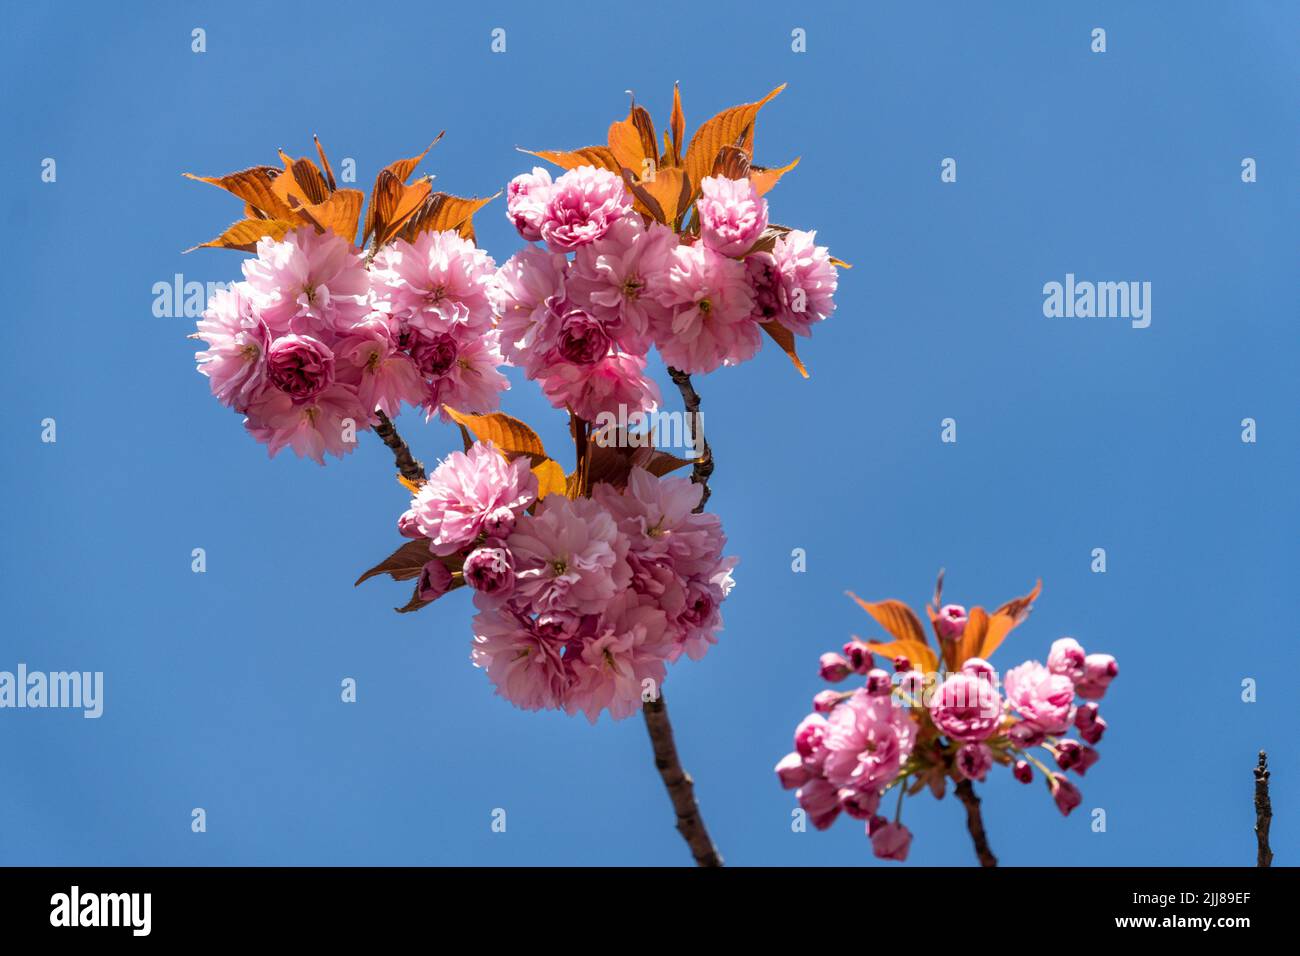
[528, 293]
[966, 708]
[1066, 657]
[526, 199]
[569, 556]
[732, 214]
[617, 381]
[464, 490]
[891, 841]
[870, 737]
[434, 581]
[308, 282]
[974, 760]
[384, 376]
[472, 383]
[1045, 700]
[810, 741]
[581, 206]
[808, 281]
[624, 661]
[526, 668]
[234, 360]
[328, 422]
[300, 366]
[619, 278]
[709, 302]
[438, 283]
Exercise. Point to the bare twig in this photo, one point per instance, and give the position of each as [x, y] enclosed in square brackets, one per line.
[975, 823]
[703, 453]
[1263, 812]
[407, 464]
[681, 790]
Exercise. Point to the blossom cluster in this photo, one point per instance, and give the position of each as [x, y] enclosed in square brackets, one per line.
[601, 282]
[315, 339]
[581, 602]
[914, 729]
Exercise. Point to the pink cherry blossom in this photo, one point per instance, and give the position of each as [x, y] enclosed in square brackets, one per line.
[966, 708]
[808, 281]
[569, 556]
[369, 360]
[820, 800]
[438, 283]
[732, 214]
[464, 490]
[618, 280]
[791, 771]
[234, 360]
[974, 760]
[891, 841]
[527, 293]
[1045, 700]
[623, 660]
[473, 382]
[328, 422]
[308, 282]
[709, 302]
[1066, 657]
[581, 206]
[526, 199]
[617, 381]
[1098, 671]
[870, 737]
[525, 667]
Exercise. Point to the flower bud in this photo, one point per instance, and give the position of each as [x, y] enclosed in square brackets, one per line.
[858, 655]
[1066, 657]
[978, 667]
[974, 761]
[406, 525]
[1098, 671]
[1092, 733]
[1067, 753]
[791, 772]
[902, 664]
[1022, 771]
[434, 581]
[878, 682]
[834, 668]
[891, 841]
[1066, 794]
[951, 622]
[490, 570]
[824, 701]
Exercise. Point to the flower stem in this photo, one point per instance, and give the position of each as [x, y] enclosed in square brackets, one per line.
[681, 789]
[1263, 812]
[975, 823]
[410, 468]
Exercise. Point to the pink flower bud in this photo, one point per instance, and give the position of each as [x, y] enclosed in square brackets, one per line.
[1087, 757]
[1066, 794]
[859, 804]
[902, 664]
[434, 581]
[820, 801]
[1025, 735]
[406, 525]
[858, 655]
[526, 199]
[824, 701]
[1022, 771]
[974, 761]
[1098, 671]
[499, 523]
[878, 682]
[1066, 657]
[834, 668]
[951, 623]
[912, 683]
[978, 667]
[810, 740]
[490, 570]
[791, 772]
[1092, 733]
[1068, 754]
[891, 841]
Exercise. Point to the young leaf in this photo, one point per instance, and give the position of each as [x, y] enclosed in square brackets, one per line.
[325, 164]
[404, 564]
[244, 234]
[598, 156]
[733, 127]
[895, 617]
[255, 186]
[441, 211]
[510, 435]
[632, 141]
[391, 204]
[338, 214]
[677, 124]
[785, 339]
[764, 179]
[550, 478]
[1005, 619]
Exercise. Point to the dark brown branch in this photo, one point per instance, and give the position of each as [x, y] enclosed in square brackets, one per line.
[704, 454]
[975, 823]
[681, 790]
[407, 464]
[1263, 812]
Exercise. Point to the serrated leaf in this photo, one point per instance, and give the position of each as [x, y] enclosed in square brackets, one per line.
[404, 564]
[510, 435]
[598, 156]
[784, 338]
[677, 125]
[731, 162]
[338, 214]
[441, 211]
[244, 235]
[551, 479]
[731, 127]
[632, 141]
[325, 164]
[301, 184]
[764, 179]
[391, 204]
[899, 620]
[255, 186]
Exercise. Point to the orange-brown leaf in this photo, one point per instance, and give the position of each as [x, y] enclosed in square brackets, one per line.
[731, 127]
[895, 617]
[325, 164]
[402, 168]
[731, 162]
[510, 435]
[785, 339]
[1005, 619]
[550, 478]
[338, 214]
[598, 156]
[301, 184]
[441, 211]
[244, 234]
[764, 179]
[391, 204]
[918, 653]
[956, 653]
[677, 124]
[665, 197]
[632, 141]
[256, 186]
[404, 564]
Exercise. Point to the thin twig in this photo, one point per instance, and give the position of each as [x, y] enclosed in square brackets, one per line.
[703, 453]
[681, 789]
[410, 467]
[1263, 812]
[975, 823]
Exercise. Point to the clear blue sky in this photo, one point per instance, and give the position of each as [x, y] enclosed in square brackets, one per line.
[222, 689]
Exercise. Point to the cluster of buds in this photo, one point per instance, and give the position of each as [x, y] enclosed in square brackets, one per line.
[940, 716]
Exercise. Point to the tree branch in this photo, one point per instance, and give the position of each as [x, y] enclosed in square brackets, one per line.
[975, 823]
[411, 468]
[704, 454]
[1263, 812]
[681, 789]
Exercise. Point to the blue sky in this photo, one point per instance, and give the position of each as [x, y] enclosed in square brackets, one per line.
[222, 689]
